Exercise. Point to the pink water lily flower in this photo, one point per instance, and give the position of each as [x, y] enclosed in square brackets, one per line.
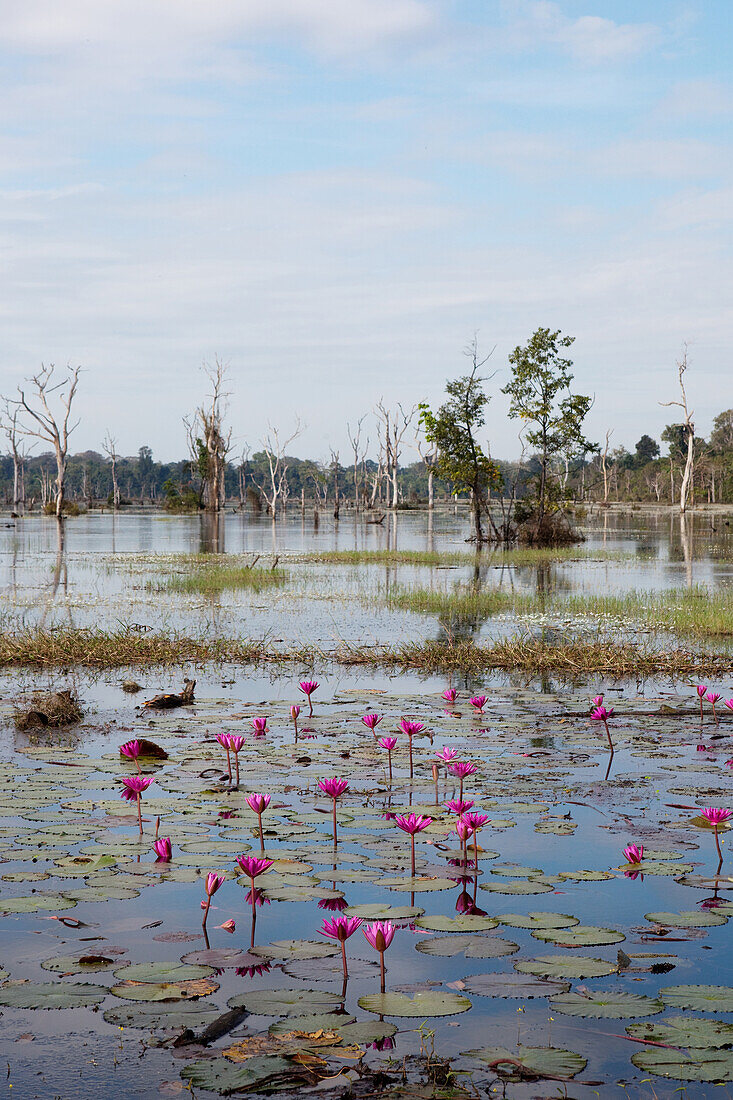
[450, 695]
[597, 701]
[253, 866]
[470, 825]
[446, 754]
[388, 743]
[701, 690]
[463, 829]
[712, 697]
[478, 702]
[459, 806]
[294, 714]
[634, 853]
[163, 849]
[132, 789]
[380, 935]
[412, 824]
[259, 725]
[602, 714]
[223, 739]
[132, 749]
[236, 744]
[227, 926]
[308, 687]
[728, 703]
[462, 769]
[334, 788]
[411, 728]
[476, 820]
[258, 803]
[340, 928]
[212, 884]
[717, 817]
[371, 721]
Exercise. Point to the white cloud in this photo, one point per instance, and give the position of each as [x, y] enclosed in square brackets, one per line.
[590, 39]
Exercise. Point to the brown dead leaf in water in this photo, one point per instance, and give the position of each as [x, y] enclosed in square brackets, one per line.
[298, 1045]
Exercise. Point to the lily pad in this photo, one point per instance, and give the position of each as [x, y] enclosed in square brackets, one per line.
[474, 947]
[534, 1061]
[375, 911]
[582, 935]
[159, 1017]
[537, 920]
[699, 998]
[685, 1031]
[86, 963]
[285, 1002]
[606, 1005]
[164, 991]
[366, 1031]
[564, 966]
[687, 919]
[695, 1065]
[164, 972]
[512, 985]
[522, 886]
[225, 1077]
[297, 949]
[22, 994]
[415, 1005]
[465, 922]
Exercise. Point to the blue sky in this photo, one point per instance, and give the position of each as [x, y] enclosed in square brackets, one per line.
[334, 196]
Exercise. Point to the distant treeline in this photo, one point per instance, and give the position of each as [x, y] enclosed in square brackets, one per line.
[611, 474]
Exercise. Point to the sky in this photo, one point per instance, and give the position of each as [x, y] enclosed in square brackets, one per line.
[334, 196]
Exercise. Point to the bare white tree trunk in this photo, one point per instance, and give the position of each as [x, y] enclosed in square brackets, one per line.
[44, 424]
[690, 430]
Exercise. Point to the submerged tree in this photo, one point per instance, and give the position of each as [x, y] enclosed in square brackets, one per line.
[453, 429]
[42, 422]
[540, 396]
[209, 442]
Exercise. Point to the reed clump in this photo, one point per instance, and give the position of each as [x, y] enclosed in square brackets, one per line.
[211, 579]
[49, 708]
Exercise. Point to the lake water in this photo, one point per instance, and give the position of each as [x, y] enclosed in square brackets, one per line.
[561, 811]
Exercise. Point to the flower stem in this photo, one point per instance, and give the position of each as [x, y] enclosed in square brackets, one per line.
[335, 840]
[381, 970]
[262, 839]
[410, 743]
[717, 843]
[139, 814]
[343, 959]
[412, 852]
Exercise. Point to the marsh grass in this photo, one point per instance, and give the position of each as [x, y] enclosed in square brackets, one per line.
[487, 556]
[461, 603]
[213, 578]
[64, 647]
[691, 612]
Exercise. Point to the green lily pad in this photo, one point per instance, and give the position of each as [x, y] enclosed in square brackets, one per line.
[160, 1017]
[658, 867]
[297, 949]
[164, 991]
[534, 1061]
[695, 1065]
[421, 1005]
[418, 885]
[366, 1032]
[685, 1031]
[83, 963]
[474, 947]
[36, 903]
[310, 1024]
[699, 998]
[285, 1002]
[538, 920]
[225, 1077]
[164, 972]
[582, 935]
[606, 1005]
[465, 922]
[375, 911]
[585, 876]
[512, 985]
[51, 994]
[564, 966]
[687, 919]
[522, 886]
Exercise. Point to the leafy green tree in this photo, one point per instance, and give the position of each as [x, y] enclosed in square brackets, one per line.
[453, 429]
[647, 449]
[553, 416]
[721, 437]
[676, 436]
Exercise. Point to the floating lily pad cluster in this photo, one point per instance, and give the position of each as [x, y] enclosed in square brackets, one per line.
[527, 916]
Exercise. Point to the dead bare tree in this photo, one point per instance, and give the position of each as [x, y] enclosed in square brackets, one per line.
[359, 454]
[242, 476]
[335, 475]
[9, 421]
[42, 422]
[395, 425]
[274, 448]
[208, 440]
[604, 466]
[109, 446]
[689, 427]
[429, 454]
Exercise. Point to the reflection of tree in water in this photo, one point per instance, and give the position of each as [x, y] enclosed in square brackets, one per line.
[60, 573]
[211, 533]
[464, 624]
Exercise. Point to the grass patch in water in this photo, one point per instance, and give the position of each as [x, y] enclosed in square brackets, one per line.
[211, 579]
[488, 555]
[462, 603]
[691, 612]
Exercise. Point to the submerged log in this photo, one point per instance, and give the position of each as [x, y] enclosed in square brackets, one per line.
[166, 701]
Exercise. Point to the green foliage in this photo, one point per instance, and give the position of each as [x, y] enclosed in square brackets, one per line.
[540, 396]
